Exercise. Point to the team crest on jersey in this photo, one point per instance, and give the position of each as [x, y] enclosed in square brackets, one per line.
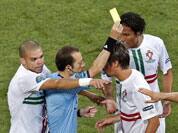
[149, 56]
[40, 78]
[124, 95]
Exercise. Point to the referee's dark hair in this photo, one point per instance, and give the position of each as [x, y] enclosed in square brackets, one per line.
[64, 57]
[120, 54]
[134, 21]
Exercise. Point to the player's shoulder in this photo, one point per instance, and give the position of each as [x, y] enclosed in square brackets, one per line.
[153, 41]
[137, 73]
[152, 37]
[137, 76]
[54, 75]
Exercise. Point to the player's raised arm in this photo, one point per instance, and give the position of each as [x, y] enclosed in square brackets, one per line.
[102, 58]
[72, 83]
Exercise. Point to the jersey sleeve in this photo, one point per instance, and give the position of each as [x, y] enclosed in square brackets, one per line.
[146, 110]
[164, 60]
[30, 83]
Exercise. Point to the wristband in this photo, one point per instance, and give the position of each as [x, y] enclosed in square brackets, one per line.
[84, 81]
[109, 44]
[78, 113]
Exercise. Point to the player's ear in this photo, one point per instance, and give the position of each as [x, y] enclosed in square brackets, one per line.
[68, 68]
[138, 33]
[22, 61]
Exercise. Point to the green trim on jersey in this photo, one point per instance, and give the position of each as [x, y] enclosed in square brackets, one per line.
[135, 59]
[141, 62]
[34, 100]
[138, 59]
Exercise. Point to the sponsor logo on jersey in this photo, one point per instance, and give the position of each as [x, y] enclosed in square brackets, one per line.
[148, 108]
[149, 56]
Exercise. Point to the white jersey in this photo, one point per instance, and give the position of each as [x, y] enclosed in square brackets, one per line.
[147, 58]
[134, 112]
[26, 101]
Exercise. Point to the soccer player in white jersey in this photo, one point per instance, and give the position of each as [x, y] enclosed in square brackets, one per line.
[135, 115]
[148, 54]
[25, 96]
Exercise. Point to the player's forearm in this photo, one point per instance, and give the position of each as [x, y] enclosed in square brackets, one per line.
[168, 81]
[65, 83]
[99, 63]
[153, 124]
[60, 84]
[86, 93]
[108, 91]
[116, 118]
[173, 96]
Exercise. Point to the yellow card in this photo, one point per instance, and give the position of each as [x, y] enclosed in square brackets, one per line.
[115, 15]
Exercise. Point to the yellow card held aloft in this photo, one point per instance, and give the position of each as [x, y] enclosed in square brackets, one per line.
[115, 15]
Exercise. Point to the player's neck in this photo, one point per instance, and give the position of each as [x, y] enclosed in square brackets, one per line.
[64, 74]
[123, 74]
[140, 39]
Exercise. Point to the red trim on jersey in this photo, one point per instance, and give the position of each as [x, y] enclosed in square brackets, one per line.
[130, 117]
[151, 78]
[133, 119]
[151, 81]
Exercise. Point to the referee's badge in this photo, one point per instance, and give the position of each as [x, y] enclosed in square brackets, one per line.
[149, 56]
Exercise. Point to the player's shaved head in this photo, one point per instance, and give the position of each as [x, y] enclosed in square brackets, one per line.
[28, 46]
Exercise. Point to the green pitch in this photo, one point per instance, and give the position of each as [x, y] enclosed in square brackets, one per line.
[81, 23]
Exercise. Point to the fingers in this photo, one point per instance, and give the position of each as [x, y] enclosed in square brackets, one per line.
[111, 106]
[99, 83]
[90, 111]
[100, 124]
[145, 91]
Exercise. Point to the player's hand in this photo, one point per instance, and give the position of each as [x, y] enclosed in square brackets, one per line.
[96, 99]
[110, 105]
[106, 121]
[155, 97]
[99, 83]
[89, 111]
[166, 109]
[116, 31]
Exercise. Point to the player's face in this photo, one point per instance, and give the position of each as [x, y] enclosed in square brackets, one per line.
[33, 60]
[129, 37]
[109, 69]
[79, 63]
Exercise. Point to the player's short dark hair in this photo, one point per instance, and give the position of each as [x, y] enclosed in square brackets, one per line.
[64, 57]
[28, 45]
[120, 54]
[134, 21]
